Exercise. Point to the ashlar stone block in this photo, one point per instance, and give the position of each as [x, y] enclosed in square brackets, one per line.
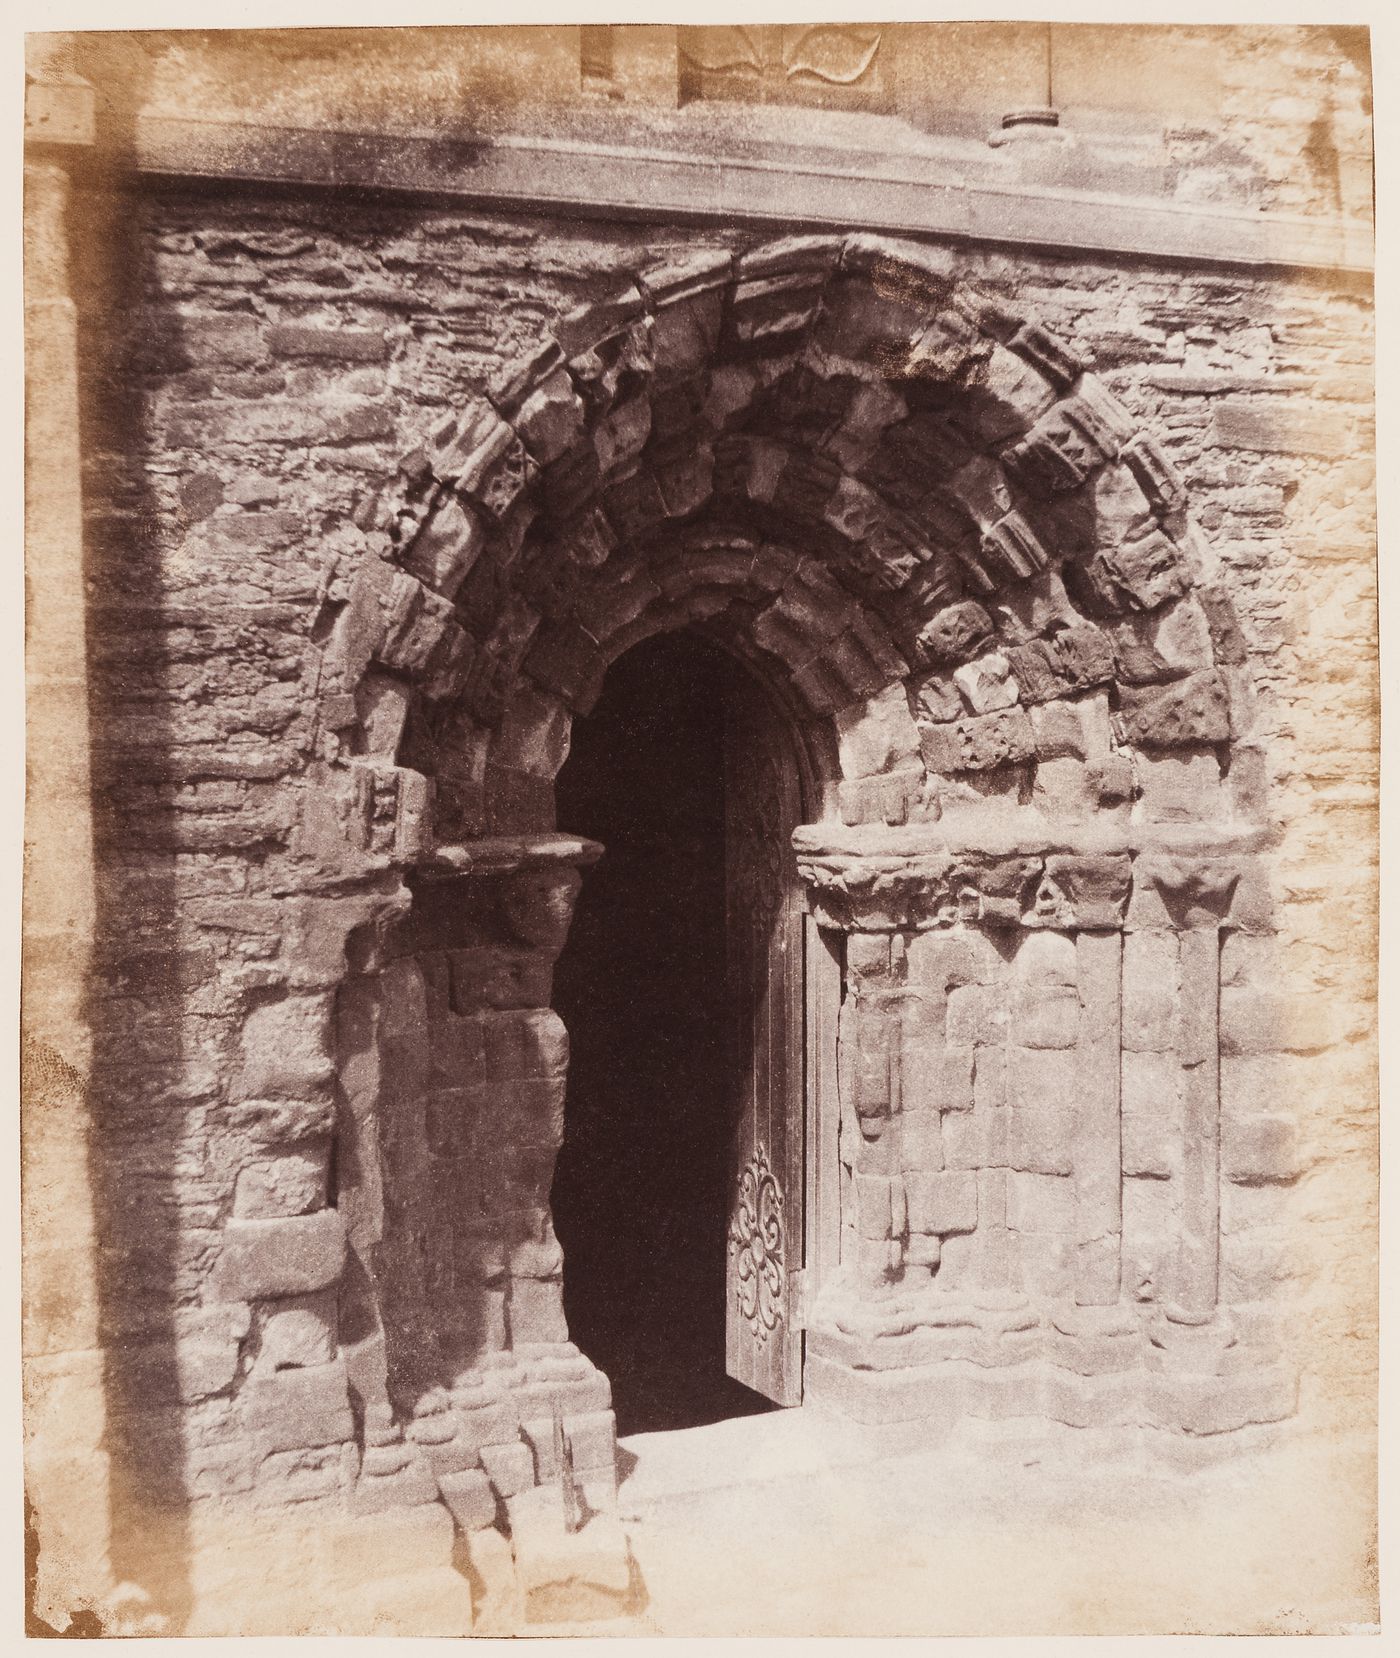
[447, 546]
[536, 1310]
[1039, 1203]
[284, 1049]
[987, 683]
[977, 1015]
[1189, 711]
[1040, 1139]
[1181, 786]
[1150, 1143]
[874, 1207]
[923, 1138]
[978, 743]
[510, 1468]
[1147, 569]
[1039, 1079]
[1150, 972]
[1152, 1084]
[1259, 1147]
[1046, 1015]
[592, 1440]
[262, 1259]
[551, 419]
[469, 1496]
[989, 1078]
[297, 1409]
[938, 1080]
[976, 1139]
[942, 1201]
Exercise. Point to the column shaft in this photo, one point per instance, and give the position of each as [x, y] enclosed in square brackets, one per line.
[1098, 1139]
[1198, 1050]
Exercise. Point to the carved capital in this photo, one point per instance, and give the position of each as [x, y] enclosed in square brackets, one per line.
[1010, 890]
[1195, 891]
[1092, 890]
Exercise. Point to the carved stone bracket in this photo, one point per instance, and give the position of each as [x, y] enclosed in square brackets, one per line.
[528, 884]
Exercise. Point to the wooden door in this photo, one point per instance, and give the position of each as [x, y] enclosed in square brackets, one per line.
[764, 916]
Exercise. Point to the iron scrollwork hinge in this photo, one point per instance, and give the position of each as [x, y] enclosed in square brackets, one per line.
[757, 1244]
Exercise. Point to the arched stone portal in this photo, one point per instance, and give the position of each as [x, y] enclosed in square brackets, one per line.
[973, 587]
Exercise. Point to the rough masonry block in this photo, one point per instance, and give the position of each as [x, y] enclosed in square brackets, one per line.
[291, 1184]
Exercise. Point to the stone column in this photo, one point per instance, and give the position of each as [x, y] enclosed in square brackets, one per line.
[1196, 894]
[1197, 1285]
[1096, 1332]
[67, 1468]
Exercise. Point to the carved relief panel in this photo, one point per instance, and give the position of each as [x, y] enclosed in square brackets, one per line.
[824, 63]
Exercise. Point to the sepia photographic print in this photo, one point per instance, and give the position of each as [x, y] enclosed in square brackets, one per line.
[700, 913]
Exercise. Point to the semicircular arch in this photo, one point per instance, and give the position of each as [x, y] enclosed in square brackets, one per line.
[845, 459]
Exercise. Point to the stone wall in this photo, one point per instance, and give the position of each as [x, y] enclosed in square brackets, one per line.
[1081, 579]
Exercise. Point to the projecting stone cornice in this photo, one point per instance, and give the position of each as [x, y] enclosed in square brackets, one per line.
[801, 186]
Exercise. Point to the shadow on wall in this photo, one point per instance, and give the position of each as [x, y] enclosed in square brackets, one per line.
[150, 1092]
[640, 1195]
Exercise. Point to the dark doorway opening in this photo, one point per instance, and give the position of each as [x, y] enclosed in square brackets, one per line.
[642, 1187]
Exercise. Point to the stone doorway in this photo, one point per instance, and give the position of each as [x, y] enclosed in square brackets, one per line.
[664, 987]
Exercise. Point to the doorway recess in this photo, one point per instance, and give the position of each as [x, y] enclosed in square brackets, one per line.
[641, 1195]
